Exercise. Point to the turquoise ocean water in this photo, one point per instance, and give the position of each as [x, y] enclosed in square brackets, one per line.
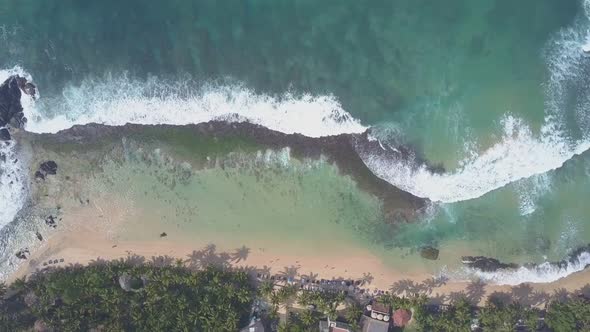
[494, 91]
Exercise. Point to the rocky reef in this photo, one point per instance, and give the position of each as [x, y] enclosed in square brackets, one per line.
[488, 264]
[398, 205]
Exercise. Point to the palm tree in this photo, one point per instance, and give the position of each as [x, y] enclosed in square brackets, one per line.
[308, 319]
[353, 313]
[19, 284]
[266, 288]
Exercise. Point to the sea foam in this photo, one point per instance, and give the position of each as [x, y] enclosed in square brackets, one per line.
[121, 100]
[519, 153]
[13, 175]
[542, 273]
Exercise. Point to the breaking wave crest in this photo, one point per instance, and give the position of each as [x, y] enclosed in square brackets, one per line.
[520, 153]
[13, 175]
[120, 100]
[542, 273]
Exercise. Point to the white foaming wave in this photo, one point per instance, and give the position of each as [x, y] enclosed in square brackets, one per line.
[530, 191]
[12, 183]
[518, 155]
[117, 101]
[542, 273]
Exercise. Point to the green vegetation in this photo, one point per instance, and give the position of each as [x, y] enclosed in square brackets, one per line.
[130, 295]
[571, 315]
[172, 298]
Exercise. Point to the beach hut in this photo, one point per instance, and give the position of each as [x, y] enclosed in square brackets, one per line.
[401, 317]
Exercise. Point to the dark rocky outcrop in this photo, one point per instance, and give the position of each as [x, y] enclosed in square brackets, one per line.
[50, 221]
[486, 264]
[4, 135]
[11, 110]
[39, 175]
[429, 253]
[23, 254]
[131, 284]
[48, 168]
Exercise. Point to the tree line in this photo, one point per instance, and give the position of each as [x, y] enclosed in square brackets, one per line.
[123, 295]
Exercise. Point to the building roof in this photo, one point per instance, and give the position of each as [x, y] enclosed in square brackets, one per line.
[255, 326]
[336, 327]
[380, 307]
[373, 325]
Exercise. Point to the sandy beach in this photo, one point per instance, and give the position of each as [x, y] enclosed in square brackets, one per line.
[99, 237]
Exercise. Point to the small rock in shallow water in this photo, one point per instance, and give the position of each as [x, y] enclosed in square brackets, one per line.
[39, 175]
[5, 135]
[49, 167]
[429, 253]
[50, 221]
[23, 253]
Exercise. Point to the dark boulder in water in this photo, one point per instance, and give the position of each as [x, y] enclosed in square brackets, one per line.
[429, 253]
[486, 264]
[23, 254]
[50, 221]
[11, 110]
[39, 175]
[49, 167]
[4, 135]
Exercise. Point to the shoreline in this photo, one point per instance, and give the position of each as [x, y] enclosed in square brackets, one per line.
[100, 226]
[88, 243]
[381, 278]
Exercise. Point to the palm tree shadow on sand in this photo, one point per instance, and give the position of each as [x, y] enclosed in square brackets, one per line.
[240, 254]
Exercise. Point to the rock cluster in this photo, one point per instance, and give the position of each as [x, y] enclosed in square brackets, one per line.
[50, 221]
[46, 168]
[486, 264]
[11, 110]
[23, 253]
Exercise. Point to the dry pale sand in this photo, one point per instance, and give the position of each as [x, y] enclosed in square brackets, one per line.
[96, 237]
